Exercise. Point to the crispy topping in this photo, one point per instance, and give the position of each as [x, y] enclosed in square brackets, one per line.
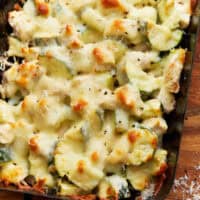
[33, 144]
[81, 166]
[24, 50]
[118, 25]
[80, 105]
[122, 96]
[112, 193]
[95, 156]
[75, 44]
[22, 81]
[110, 3]
[132, 136]
[154, 142]
[24, 104]
[42, 102]
[43, 8]
[69, 30]
[98, 55]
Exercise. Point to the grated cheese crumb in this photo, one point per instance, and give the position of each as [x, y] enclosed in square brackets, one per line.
[190, 189]
[147, 193]
[197, 167]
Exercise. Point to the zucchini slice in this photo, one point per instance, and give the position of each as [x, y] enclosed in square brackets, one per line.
[162, 38]
[55, 67]
[174, 13]
[105, 80]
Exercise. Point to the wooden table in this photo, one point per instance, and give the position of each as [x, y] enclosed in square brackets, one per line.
[190, 145]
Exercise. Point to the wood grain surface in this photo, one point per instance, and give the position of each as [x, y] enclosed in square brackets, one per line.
[190, 145]
[189, 156]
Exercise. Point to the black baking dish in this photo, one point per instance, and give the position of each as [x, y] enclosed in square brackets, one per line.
[171, 140]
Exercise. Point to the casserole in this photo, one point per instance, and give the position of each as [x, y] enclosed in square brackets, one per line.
[110, 60]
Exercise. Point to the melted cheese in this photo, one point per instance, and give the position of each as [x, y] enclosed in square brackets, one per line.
[86, 101]
[175, 13]
[140, 176]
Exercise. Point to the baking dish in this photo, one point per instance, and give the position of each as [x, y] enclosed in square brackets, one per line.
[171, 140]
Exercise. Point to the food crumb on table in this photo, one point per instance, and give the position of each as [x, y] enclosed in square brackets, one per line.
[189, 188]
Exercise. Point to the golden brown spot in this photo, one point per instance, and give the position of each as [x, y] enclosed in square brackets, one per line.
[75, 44]
[22, 67]
[154, 142]
[94, 156]
[149, 158]
[132, 136]
[98, 55]
[112, 193]
[69, 29]
[22, 81]
[118, 25]
[25, 69]
[33, 145]
[24, 104]
[31, 68]
[81, 166]
[43, 8]
[80, 105]
[24, 50]
[110, 3]
[42, 102]
[122, 96]
[17, 7]
[109, 191]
